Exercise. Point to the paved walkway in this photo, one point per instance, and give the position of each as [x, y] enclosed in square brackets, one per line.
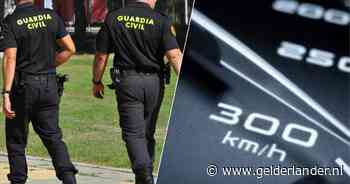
[41, 172]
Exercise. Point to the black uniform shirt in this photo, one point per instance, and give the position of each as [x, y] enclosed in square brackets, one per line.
[33, 32]
[138, 35]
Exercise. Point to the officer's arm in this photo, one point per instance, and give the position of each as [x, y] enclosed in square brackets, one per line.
[170, 45]
[99, 66]
[103, 48]
[68, 46]
[175, 58]
[8, 69]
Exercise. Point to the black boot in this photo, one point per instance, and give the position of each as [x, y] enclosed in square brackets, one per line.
[69, 178]
[144, 176]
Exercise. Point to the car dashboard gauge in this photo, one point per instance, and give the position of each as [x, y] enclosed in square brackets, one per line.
[263, 83]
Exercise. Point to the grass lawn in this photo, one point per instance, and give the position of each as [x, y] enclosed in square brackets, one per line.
[91, 126]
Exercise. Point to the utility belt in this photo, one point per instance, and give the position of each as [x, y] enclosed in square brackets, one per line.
[132, 72]
[21, 78]
[117, 74]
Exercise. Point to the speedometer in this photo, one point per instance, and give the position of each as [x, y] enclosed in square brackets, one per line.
[264, 83]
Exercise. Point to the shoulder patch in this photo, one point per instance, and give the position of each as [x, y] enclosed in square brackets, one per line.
[173, 30]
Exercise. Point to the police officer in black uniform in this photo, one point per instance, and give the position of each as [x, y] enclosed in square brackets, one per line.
[139, 37]
[29, 38]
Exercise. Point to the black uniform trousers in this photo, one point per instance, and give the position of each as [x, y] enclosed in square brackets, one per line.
[139, 97]
[35, 99]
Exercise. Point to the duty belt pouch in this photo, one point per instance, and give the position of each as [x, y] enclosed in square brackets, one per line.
[115, 77]
[61, 79]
